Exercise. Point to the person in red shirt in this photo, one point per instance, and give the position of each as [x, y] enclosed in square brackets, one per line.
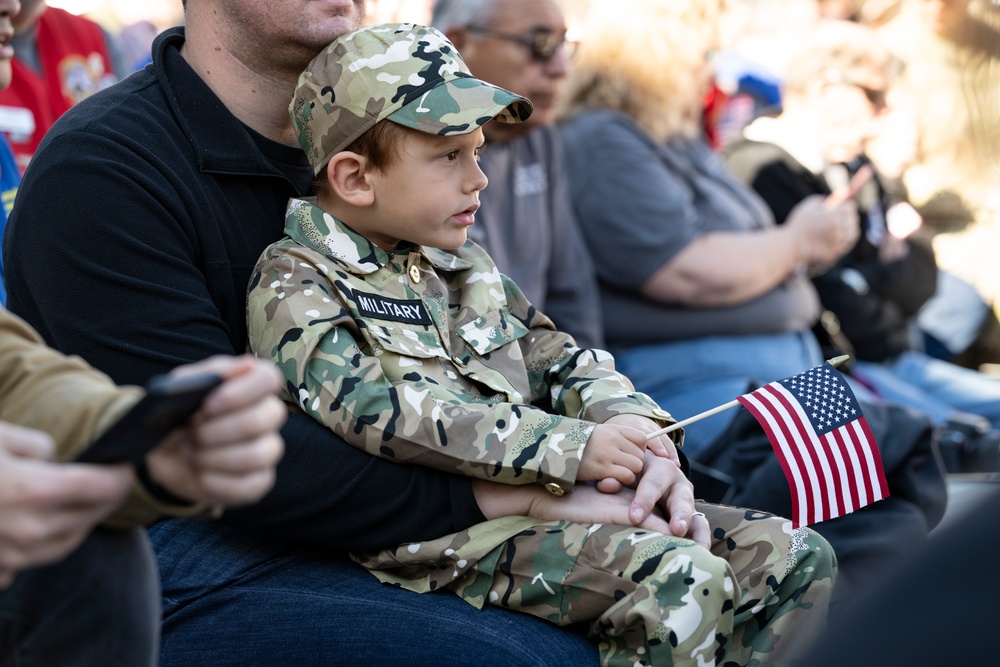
[60, 59]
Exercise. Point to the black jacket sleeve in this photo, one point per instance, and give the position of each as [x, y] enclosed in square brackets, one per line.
[116, 253]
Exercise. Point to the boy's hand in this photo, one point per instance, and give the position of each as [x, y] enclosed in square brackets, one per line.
[613, 453]
[661, 446]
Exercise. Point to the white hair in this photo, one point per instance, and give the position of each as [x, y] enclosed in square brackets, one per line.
[449, 14]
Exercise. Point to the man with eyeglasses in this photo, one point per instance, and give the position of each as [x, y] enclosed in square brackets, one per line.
[526, 220]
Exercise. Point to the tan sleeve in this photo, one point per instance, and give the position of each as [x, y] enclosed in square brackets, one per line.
[73, 402]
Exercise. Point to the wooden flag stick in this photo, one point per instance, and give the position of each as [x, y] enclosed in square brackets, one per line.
[835, 362]
[690, 420]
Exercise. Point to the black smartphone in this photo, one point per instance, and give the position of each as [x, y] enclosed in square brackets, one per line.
[169, 402]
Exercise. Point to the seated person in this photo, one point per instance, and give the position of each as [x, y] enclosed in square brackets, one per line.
[68, 530]
[703, 295]
[835, 101]
[60, 59]
[151, 272]
[403, 337]
[525, 220]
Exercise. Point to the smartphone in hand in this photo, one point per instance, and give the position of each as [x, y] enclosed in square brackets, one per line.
[169, 402]
[852, 188]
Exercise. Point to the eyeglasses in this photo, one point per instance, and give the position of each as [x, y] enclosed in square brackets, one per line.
[543, 44]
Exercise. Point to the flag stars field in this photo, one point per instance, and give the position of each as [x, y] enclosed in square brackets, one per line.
[823, 442]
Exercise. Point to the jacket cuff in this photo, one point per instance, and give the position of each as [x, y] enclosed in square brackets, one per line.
[605, 410]
[564, 448]
[143, 508]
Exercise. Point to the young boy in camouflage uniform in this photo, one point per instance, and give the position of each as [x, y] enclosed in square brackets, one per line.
[404, 338]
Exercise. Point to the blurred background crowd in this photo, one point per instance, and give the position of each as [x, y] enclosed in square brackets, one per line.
[936, 134]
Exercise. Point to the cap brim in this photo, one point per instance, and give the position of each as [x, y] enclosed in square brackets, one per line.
[460, 106]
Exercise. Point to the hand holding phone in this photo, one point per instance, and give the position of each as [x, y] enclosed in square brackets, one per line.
[853, 187]
[170, 401]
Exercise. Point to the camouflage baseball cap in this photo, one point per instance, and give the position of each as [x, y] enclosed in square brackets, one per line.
[406, 73]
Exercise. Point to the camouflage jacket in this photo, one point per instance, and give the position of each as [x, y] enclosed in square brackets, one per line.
[430, 357]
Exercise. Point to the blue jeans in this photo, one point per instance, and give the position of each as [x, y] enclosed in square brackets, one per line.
[99, 606]
[935, 387]
[231, 598]
[691, 376]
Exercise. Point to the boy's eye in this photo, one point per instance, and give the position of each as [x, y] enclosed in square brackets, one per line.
[451, 156]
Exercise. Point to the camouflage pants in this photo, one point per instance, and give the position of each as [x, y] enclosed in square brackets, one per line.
[761, 593]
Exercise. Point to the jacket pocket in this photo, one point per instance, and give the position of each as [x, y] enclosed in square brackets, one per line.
[491, 331]
[407, 341]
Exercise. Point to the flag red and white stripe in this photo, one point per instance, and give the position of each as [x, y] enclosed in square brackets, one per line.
[823, 443]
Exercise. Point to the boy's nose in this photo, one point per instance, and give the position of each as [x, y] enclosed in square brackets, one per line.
[478, 180]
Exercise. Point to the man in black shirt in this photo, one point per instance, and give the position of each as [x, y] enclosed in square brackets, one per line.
[132, 243]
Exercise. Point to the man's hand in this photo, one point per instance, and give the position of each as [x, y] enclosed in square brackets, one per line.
[588, 505]
[228, 453]
[46, 508]
[662, 502]
[662, 484]
[585, 505]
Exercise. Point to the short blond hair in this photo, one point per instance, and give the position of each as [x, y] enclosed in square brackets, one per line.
[645, 58]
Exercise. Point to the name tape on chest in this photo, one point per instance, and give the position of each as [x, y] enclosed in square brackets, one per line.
[396, 310]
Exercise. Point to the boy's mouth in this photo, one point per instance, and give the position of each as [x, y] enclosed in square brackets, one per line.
[468, 216]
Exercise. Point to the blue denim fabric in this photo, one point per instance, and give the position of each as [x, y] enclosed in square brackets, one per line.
[937, 388]
[691, 376]
[99, 606]
[230, 598]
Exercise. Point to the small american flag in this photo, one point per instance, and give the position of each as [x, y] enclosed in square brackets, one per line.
[823, 443]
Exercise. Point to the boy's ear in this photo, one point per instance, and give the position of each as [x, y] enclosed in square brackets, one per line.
[347, 173]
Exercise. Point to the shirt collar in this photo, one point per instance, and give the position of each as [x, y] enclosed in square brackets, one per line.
[222, 143]
[308, 224]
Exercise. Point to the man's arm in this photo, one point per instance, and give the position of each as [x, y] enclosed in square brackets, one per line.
[48, 508]
[227, 457]
[45, 390]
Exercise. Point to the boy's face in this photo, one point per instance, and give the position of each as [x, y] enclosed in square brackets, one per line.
[430, 193]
